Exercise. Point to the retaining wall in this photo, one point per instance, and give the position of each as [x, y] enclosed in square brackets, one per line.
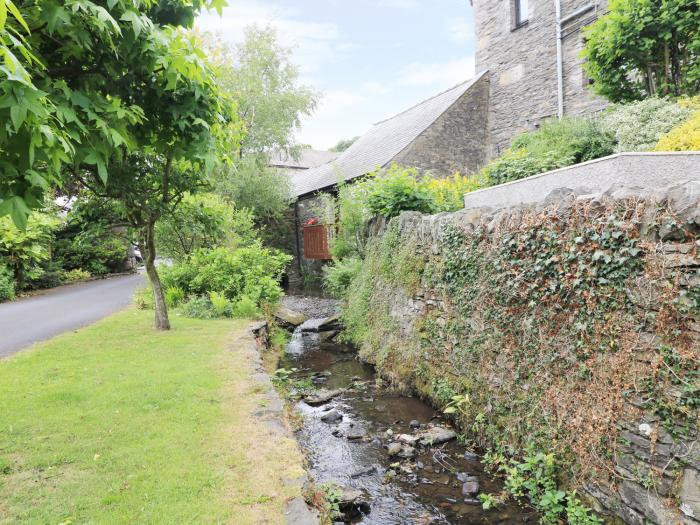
[637, 170]
[423, 336]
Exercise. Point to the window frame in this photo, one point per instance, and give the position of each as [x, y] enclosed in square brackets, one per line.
[520, 18]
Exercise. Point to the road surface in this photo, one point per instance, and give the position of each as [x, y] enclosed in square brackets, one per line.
[26, 321]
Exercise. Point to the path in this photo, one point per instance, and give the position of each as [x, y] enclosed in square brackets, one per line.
[43, 316]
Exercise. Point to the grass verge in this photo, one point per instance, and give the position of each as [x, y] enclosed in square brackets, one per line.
[116, 423]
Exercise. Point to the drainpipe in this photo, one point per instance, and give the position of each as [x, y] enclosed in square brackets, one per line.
[560, 63]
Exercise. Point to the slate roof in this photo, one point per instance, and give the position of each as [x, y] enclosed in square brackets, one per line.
[308, 158]
[381, 144]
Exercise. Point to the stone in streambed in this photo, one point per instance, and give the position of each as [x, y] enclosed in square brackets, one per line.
[332, 416]
[394, 449]
[289, 318]
[470, 486]
[322, 396]
[436, 435]
[353, 503]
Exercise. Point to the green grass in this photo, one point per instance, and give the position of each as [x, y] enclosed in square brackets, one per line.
[118, 424]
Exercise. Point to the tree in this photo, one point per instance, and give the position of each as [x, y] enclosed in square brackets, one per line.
[642, 48]
[204, 221]
[251, 185]
[344, 144]
[75, 105]
[259, 74]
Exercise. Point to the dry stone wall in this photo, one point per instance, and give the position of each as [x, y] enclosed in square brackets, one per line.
[617, 398]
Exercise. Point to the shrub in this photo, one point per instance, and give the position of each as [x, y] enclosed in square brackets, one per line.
[203, 221]
[198, 308]
[448, 193]
[640, 125]
[7, 284]
[245, 308]
[518, 164]
[685, 137]
[174, 295]
[338, 275]
[25, 252]
[76, 275]
[253, 271]
[571, 139]
[89, 240]
[398, 189]
[143, 298]
[220, 305]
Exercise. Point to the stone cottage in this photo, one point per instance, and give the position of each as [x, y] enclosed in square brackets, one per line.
[527, 55]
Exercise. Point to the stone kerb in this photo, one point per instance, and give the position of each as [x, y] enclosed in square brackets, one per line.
[645, 171]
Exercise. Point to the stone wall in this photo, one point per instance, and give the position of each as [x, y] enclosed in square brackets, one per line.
[457, 140]
[522, 62]
[643, 170]
[637, 414]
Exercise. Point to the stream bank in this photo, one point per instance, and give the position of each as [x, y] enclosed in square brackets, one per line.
[391, 456]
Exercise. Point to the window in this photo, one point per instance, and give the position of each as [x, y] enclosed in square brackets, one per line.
[520, 12]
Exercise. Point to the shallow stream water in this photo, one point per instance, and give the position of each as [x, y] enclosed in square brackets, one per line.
[352, 452]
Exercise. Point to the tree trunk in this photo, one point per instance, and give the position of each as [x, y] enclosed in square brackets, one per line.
[148, 246]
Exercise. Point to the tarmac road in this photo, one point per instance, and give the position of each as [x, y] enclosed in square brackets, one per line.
[42, 316]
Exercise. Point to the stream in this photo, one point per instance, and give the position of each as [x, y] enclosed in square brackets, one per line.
[364, 439]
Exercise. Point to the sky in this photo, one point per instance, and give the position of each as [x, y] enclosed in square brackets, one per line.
[368, 59]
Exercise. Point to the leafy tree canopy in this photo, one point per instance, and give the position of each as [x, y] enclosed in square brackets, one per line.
[83, 83]
[259, 74]
[642, 48]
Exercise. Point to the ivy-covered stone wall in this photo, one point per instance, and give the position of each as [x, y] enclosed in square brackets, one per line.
[571, 328]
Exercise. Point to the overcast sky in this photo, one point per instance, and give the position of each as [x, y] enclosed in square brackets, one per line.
[369, 59]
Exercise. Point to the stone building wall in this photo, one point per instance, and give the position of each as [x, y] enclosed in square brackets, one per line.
[457, 140]
[522, 62]
[307, 273]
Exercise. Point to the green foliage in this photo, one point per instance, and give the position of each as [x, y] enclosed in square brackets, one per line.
[92, 237]
[25, 252]
[398, 189]
[203, 221]
[639, 126]
[338, 275]
[75, 89]
[249, 184]
[265, 83]
[352, 216]
[448, 193]
[174, 296]
[516, 164]
[535, 478]
[75, 275]
[252, 271]
[642, 48]
[684, 137]
[7, 284]
[198, 307]
[558, 143]
[143, 298]
[245, 308]
[219, 303]
[574, 139]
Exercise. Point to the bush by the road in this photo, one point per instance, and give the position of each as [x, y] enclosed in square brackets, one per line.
[7, 284]
[253, 272]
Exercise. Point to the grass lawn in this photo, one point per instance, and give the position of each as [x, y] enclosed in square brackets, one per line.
[119, 424]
